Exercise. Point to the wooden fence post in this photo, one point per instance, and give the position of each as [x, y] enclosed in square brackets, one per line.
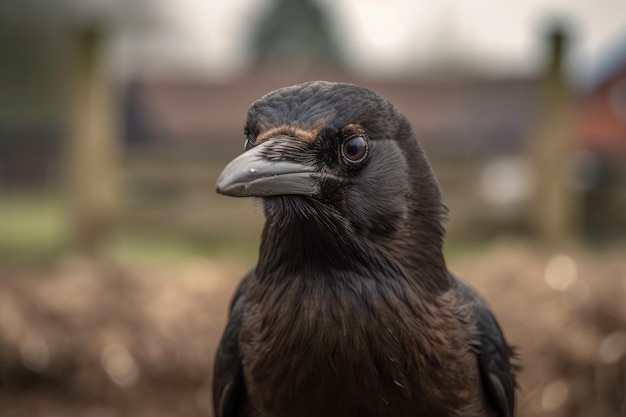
[92, 144]
[554, 210]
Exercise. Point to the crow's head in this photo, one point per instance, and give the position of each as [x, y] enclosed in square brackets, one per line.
[338, 157]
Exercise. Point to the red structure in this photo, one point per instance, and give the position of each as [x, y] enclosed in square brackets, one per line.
[601, 115]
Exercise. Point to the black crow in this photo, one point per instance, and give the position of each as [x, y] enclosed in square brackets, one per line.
[351, 310]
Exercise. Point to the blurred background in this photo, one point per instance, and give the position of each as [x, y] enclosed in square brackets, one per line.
[117, 259]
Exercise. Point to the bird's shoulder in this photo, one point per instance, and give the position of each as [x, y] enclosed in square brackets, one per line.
[229, 392]
[496, 359]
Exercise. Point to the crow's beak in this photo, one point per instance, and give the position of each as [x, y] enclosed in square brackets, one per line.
[253, 175]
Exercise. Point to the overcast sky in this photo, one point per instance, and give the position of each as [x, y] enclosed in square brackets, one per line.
[391, 36]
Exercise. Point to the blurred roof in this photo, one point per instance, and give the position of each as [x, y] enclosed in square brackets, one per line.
[449, 116]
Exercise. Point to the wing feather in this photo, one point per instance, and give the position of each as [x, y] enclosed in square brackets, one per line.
[495, 357]
[229, 391]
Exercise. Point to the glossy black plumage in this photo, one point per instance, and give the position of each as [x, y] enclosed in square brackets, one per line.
[351, 309]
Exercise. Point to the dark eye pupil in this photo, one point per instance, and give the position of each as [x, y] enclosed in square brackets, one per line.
[354, 149]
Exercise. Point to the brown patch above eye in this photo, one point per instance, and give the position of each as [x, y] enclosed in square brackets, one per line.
[293, 131]
[352, 129]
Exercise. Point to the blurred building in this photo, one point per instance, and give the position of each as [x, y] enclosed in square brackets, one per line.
[463, 123]
[475, 130]
[181, 129]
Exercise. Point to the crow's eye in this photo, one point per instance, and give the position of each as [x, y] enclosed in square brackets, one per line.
[354, 149]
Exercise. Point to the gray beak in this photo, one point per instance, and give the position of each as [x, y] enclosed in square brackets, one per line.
[253, 175]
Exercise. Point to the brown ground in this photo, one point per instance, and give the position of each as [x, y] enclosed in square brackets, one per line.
[88, 339]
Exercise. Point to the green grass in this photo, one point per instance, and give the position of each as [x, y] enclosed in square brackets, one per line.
[149, 247]
[35, 228]
[33, 225]
[456, 248]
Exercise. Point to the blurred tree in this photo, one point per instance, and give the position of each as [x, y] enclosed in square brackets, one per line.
[29, 75]
[295, 32]
[30, 95]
